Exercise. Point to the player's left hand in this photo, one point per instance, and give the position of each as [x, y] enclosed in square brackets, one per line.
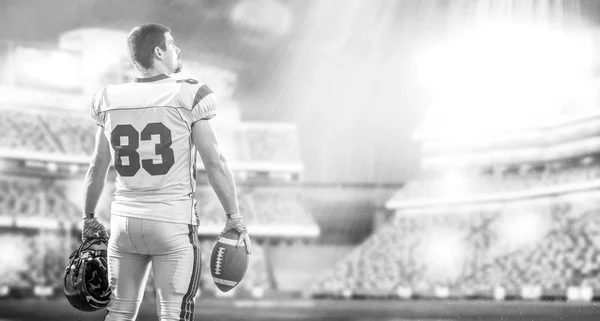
[234, 222]
[92, 228]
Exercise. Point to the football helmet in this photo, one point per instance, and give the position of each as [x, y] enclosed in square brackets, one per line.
[86, 283]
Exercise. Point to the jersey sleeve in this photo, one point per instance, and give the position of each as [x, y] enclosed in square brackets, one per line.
[97, 109]
[199, 100]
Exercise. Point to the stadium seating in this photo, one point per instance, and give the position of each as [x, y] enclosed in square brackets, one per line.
[210, 210]
[51, 133]
[19, 197]
[279, 207]
[22, 198]
[73, 133]
[553, 245]
[264, 206]
[478, 185]
[50, 257]
[24, 131]
[275, 144]
[34, 258]
[17, 249]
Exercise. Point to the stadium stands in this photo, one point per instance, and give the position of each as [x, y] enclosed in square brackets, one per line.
[270, 143]
[276, 210]
[470, 185]
[19, 197]
[25, 131]
[73, 133]
[17, 249]
[552, 244]
[256, 146]
[50, 257]
[30, 200]
[270, 204]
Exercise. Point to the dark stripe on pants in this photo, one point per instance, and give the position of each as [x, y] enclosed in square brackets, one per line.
[187, 304]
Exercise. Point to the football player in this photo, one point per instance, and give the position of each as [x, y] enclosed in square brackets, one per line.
[151, 129]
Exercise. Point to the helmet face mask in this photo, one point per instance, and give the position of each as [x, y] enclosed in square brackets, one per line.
[86, 283]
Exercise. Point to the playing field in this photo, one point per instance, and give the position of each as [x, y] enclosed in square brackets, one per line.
[225, 310]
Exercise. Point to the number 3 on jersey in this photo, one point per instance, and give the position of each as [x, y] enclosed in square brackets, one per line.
[129, 149]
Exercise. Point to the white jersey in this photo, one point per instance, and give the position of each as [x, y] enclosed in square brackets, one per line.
[148, 124]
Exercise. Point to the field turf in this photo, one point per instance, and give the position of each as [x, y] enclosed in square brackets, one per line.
[299, 310]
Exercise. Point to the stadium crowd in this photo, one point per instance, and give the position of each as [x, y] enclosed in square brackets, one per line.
[72, 134]
[551, 244]
[22, 198]
[39, 205]
[474, 185]
[27, 131]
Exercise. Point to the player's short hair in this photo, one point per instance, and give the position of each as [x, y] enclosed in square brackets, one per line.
[142, 40]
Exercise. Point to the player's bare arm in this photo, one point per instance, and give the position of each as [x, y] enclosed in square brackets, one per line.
[94, 184]
[217, 169]
[220, 177]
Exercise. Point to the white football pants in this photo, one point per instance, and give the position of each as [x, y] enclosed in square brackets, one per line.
[174, 251]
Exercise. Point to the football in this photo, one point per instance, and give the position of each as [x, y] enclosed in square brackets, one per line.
[228, 265]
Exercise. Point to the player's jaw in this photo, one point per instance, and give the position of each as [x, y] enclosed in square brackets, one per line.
[179, 65]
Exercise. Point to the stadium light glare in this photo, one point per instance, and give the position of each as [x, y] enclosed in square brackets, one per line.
[98, 60]
[12, 256]
[51, 67]
[453, 185]
[262, 15]
[521, 230]
[443, 252]
[500, 75]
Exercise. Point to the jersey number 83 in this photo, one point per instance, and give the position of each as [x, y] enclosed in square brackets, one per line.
[127, 149]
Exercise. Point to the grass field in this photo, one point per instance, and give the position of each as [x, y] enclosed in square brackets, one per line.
[361, 310]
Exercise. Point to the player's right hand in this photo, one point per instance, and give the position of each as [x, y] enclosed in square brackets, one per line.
[234, 222]
[92, 228]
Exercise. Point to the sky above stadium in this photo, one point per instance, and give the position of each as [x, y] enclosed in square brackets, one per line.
[342, 70]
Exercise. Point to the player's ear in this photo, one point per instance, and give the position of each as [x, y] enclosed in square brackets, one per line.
[158, 53]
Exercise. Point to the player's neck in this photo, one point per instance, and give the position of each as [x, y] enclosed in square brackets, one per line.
[153, 72]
